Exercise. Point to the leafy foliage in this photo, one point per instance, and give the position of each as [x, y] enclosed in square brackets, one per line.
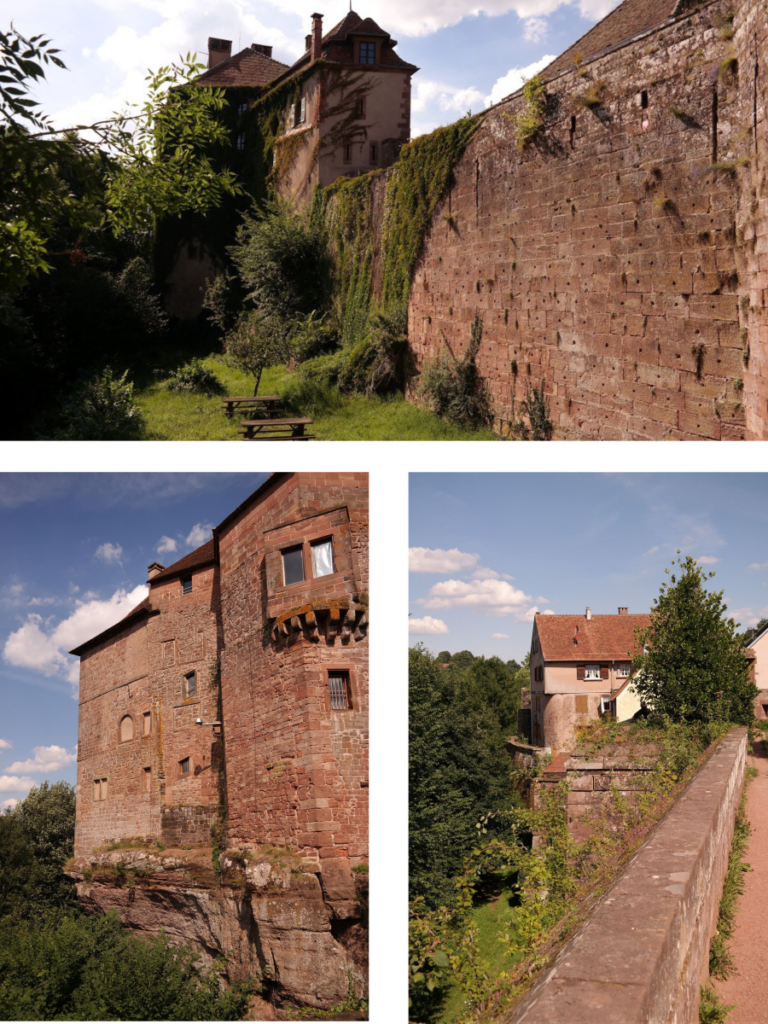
[36, 838]
[529, 123]
[458, 721]
[535, 406]
[195, 376]
[258, 340]
[102, 409]
[379, 364]
[453, 387]
[82, 968]
[694, 667]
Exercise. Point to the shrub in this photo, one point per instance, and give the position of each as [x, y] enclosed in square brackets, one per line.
[312, 336]
[529, 123]
[454, 389]
[379, 364]
[536, 408]
[313, 389]
[195, 376]
[102, 409]
[223, 302]
[284, 262]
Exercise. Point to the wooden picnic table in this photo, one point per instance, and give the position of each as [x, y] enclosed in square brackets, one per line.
[252, 402]
[291, 429]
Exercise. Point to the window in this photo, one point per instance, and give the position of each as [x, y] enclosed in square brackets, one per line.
[644, 100]
[240, 141]
[322, 558]
[367, 53]
[190, 684]
[592, 672]
[374, 152]
[146, 724]
[99, 789]
[184, 765]
[348, 154]
[300, 111]
[338, 686]
[623, 669]
[360, 108]
[293, 566]
[186, 585]
[147, 780]
[126, 729]
[241, 108]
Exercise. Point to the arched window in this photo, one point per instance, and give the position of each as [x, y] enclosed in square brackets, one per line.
[126, 729]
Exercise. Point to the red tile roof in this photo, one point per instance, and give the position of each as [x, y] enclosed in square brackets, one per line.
[249, 67]
[194, 560]
[602, 638]
[627, 20]
[336, 45]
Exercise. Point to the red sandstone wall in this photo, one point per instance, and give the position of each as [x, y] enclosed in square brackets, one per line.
[143, 670]
[751, 45]
[297, 772]
[603, 258]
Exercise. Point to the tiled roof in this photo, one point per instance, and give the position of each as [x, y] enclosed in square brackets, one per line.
[336, 45]
[627, 20]
[201, 556]
[249, 67]
[602, 638]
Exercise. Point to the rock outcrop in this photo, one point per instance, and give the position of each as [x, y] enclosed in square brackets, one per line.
[302, 927]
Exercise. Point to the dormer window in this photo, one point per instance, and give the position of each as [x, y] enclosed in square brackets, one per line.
[367, 53]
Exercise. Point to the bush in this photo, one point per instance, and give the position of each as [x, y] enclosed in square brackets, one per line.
[195, 377]
[454, 389]
[284, 262]
[102, 409]
[313, 388]
[90, 968]
[379, 364]
[536, 408]
[313, 336]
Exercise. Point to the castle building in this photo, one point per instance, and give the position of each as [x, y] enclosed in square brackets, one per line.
[237, 691]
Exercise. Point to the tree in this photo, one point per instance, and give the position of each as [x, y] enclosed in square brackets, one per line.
[258, 341]
[444, 658]
[147, 162]
[463, 659]
[693, 666]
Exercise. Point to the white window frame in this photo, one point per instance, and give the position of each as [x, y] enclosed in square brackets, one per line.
[623, 670]
[589, 673]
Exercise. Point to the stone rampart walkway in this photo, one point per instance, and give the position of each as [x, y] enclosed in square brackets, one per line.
[748, 989]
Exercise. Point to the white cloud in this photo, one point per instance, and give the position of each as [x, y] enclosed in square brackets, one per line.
[5, 745]
[73, 589]
[438, 560]
[743, 615]
[10, 803]
[199, 534]
[535, 29]
[494, 597]
[165, 544]
[514, 79]
[13, 784]
[42, 647]
[542, 600]
[46, 759]
[707, 560]
[499, 636]
[34, 602]
[650, 551]
[109, 553]
[756, 566]
[427, 625]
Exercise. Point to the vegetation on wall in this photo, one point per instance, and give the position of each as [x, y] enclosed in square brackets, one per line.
[452, 386]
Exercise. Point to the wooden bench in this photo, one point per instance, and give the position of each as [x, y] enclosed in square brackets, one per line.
[276, 429]
[266, 404]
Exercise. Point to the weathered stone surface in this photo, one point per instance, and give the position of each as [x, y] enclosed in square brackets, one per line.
[644, 952]
[337, 879]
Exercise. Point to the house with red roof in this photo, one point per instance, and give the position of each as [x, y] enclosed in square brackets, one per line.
[581, 668]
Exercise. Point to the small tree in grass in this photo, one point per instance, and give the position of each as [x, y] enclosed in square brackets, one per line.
[693, 666]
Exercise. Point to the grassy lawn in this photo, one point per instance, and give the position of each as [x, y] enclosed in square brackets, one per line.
[179, 416]
[493, 919]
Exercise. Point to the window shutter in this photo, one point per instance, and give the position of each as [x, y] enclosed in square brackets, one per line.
[580, 671]
[603, 671]
[303, 109]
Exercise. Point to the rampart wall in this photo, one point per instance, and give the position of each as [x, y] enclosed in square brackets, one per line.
[644, 952]
[622, 257]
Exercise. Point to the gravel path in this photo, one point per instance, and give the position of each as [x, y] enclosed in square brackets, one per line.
[748, 989]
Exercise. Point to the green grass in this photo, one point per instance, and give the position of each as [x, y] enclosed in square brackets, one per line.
[493, 918]
[176, 416]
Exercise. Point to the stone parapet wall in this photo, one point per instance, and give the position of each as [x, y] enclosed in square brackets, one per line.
[644, 952]
[609, 259]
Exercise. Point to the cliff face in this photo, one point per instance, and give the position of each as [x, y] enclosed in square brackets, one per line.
[300, 927]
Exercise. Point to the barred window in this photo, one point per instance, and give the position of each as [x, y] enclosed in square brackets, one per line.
[338, 685]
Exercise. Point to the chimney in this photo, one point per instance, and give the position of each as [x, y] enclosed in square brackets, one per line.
[154, 569]
[218, 50]
[589, 614]
[623, 611]
[262, 48]
[317, 35]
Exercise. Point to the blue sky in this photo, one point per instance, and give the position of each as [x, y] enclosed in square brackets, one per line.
[489, 550]
[468, 54]
[74, 551]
